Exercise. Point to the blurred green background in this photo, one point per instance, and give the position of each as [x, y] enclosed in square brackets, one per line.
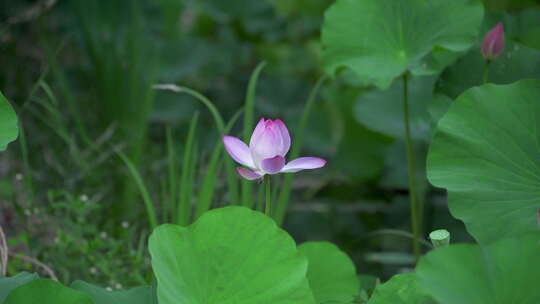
[80, 74]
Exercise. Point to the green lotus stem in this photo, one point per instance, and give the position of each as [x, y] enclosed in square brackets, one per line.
[268, 193]
[411, 170]
[440, 238]
[486, 71]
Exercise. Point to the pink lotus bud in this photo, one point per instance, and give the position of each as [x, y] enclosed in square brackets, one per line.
[493, 44]
[269, 139]
[268, 146]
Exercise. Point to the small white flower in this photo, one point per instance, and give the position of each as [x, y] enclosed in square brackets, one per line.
[103, 235]
[118, 286]
[84, 198]
[93, 270]
[125, 224]
[19, 176]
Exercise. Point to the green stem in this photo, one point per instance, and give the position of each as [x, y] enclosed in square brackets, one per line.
[268, 193]
[411, 170]
[486, 71]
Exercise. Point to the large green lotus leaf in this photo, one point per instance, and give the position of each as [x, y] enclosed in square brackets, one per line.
[358, 150]
[382, 111]
[531, 38]
[522, 26]
[45, 291]
[137, 295]
[437, 108]
[229, 255]
[517, 62]
[401, 289]
[381, 39]
[486, 153]
[8, 123]
[503, 272]
[9, 283]
[331, 274]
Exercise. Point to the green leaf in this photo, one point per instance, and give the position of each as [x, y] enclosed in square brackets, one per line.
[331, 274]
[500, 273]
[382, 111]
[486, 154]
[522, 26]
[437, 108]
[229, 255]
[382, 39]
[360, 151]
[10, 283]
[401, 289]
[45, 291]
[8, 123]
[137, 295]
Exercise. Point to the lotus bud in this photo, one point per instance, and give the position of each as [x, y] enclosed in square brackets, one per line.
[493, 44]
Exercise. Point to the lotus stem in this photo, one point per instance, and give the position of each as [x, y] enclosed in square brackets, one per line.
[440, 238]
[268, 194]
[411, 170]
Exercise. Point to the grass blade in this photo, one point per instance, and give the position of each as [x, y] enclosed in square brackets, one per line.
[207, 191]
[249, 105]
[173, 177]
[28, 180]
[150, 209]
[183, 210]
[190, 185]
[200, 97]
[229, 164]
[249, 109]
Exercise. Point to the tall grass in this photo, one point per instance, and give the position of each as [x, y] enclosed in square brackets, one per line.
[182, 210]
[206, 193]
[188, 174]
[123, 66]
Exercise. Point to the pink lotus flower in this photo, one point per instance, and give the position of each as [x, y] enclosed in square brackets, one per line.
[493, 44]
[268, 146]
